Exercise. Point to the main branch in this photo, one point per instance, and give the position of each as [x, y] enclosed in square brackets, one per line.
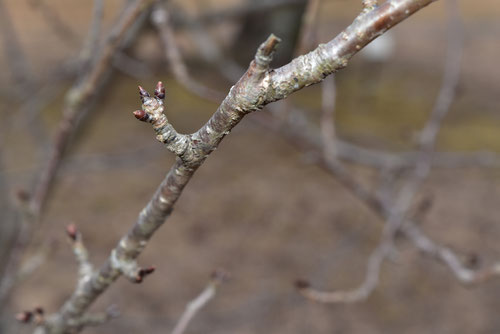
[259, 86]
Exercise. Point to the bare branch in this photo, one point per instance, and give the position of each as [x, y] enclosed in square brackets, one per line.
[85, 267]
[55, 22]
[259, 86]
[76, 100]
[397, 210]
[448, 257]
[308, 27]
[195, 305]
[328, 95]
[352, 296]
[161, 20]
[90, 48]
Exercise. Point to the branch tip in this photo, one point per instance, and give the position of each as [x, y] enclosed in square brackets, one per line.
[72, 232]
[142, 116]
[269, 46]
[302, 284]
[143, 93]
[220, 275]
[160, 90]
[24, 316]
[143, 272]
[23, 196]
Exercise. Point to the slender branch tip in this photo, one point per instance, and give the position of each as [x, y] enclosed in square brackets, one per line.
[143, 272]
[72, 232]
[143, 93]
[269, 46]
[302, 284]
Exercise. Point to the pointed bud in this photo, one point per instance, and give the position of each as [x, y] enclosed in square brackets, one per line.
[72, 232]
[160, 90]
[143, 93]
[24, 317]
[23, 196]
[302, 284]
[143, 272]
[39, 315]
[220, 275]
[141, 115]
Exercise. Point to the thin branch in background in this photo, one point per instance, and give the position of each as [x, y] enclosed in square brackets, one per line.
[210, 51]
[161, 20]
[17, 62]
[259, 86]
[235, 13]
[327, 123]
[360, 293]
[398, 209]
[307, 35]
[60, 28]
[91, 47]
[77, 99]
[80, 251]
[448, 257]
[195, 305]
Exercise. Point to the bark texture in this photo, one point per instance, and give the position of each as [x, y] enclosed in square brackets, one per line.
[259, 86]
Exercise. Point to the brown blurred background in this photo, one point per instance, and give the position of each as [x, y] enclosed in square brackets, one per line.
[258, 207]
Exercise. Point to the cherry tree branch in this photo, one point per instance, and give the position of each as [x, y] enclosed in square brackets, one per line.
[397, 211]
[259, 86]
[161, 19]
[195, 305]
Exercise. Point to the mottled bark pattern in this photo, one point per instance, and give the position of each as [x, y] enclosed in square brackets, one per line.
[258, 87]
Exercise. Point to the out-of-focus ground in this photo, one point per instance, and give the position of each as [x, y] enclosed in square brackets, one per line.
[258, 208]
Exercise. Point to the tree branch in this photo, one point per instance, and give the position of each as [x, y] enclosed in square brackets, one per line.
[258, 86]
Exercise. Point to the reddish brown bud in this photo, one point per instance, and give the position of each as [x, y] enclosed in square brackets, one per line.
[72, 232]
[141, 115]
[160, 90]
[302, 284]
[143, 272]
[23, 196]
[24, 316]
[39, 318]
[220, 275]
[143, 93]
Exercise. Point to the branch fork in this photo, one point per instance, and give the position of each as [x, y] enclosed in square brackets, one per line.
[153, 112]
[129, 268]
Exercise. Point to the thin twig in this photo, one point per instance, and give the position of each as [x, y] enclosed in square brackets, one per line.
[77, 98]
[195, 305]
[52, 18]
[90, 49]
[327, 125]
[397, 209]
[161, 20]
[259, 86]
[307, 35]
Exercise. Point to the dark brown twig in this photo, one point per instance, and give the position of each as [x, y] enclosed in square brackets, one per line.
[161, 20]
[195, 305]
